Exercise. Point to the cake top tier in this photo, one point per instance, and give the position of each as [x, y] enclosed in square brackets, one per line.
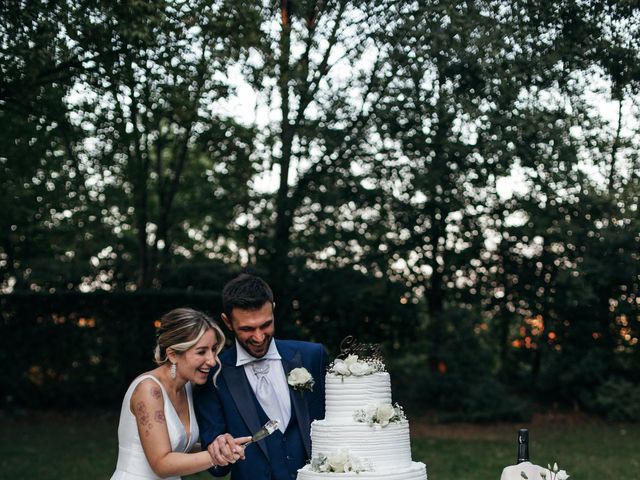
[347, 394]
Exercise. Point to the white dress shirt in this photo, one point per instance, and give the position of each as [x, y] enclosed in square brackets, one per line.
[276, 376]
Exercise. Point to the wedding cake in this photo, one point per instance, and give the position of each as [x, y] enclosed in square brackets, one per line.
[363, 435]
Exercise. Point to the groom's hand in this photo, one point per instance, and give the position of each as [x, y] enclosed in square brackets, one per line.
[225, 449]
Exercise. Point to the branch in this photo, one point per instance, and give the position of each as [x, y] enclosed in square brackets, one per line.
[322, 70]
[615, 147]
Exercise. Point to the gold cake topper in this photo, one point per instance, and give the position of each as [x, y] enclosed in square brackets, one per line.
[350, 346]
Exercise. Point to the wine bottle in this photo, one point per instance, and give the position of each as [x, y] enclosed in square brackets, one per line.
[523, 445]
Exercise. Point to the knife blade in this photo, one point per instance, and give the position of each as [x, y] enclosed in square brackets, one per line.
[266, 430]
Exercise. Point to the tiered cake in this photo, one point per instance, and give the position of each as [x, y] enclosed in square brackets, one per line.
[363, 435]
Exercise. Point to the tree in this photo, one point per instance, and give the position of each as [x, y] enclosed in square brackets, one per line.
[42, 179]
[323, 69]
[141, 100]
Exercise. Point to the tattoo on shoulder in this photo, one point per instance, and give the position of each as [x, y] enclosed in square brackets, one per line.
[159, 416]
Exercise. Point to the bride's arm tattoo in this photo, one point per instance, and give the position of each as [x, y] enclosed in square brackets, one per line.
[156, 393]
[143, 417]
[159, 416]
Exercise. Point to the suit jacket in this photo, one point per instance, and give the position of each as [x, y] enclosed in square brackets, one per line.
[232, 407]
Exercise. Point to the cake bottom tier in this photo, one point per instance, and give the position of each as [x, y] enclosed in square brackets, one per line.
[416, 471]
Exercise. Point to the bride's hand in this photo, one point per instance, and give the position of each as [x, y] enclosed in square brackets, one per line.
[225, 449]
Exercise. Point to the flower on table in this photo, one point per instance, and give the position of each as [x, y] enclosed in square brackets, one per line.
[553, 473]
[300, 379]
[556, 473]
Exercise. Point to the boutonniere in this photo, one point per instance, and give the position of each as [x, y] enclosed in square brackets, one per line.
[300, 379]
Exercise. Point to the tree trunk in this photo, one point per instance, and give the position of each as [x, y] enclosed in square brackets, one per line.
[614, 149]
[279, 264]
[140, 162]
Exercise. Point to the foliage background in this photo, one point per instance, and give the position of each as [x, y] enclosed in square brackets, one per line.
[456, 180]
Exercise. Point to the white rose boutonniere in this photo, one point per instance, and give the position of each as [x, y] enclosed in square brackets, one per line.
[300, 379]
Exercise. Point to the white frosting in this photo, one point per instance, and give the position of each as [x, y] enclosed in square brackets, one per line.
[345, 395]
[415, 471]
[386, 448]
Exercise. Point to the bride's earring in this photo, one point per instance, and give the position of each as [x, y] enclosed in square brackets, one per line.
[172, 371]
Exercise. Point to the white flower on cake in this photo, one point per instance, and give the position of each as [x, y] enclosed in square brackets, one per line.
[351, 360]
[352, 365]
[340, 461]
[380, 414]
[341, 368]
[360, 369]
[384, 413]
[300, 379]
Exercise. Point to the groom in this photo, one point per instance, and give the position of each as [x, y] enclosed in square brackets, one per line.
[253, 388]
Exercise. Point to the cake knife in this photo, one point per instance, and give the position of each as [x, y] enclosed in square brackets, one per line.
[266, 430]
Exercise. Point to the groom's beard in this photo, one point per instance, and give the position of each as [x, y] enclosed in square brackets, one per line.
[256, 351]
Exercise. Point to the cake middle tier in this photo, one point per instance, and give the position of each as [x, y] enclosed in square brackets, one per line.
[385, 447]
[345, 395]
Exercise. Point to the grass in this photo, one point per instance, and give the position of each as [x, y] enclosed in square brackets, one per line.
[55, 446]
[588, 448]
[49, 446]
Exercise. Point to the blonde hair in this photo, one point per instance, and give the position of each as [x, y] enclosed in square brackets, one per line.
[182, 328]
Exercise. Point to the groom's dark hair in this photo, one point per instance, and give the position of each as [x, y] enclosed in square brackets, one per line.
[246, 292]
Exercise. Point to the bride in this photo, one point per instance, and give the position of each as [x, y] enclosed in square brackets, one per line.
[158, 427]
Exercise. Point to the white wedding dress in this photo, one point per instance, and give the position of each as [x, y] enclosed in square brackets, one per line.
[132, 462]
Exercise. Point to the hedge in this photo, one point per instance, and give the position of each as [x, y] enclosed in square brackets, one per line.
[77, 350]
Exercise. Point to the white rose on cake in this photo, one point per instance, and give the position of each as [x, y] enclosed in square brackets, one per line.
[380, 415]
[340, 461]
[351, 360]
[319, 463]
[384, 413]
[354, 366]
[341, 368]
[300, 379]
[355, 465]
[337, 460]
[360, 369]
[370, 411]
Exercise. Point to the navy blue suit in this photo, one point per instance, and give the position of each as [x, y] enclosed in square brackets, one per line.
[233, 408]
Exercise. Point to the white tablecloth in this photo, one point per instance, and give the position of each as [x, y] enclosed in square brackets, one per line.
[514, 472]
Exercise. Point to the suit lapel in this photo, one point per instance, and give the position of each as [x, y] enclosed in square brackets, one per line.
[242, 395]
[291, 360]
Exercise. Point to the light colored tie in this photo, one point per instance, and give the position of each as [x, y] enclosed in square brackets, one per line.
[266, 394]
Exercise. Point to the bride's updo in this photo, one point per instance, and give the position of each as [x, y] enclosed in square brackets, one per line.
[181, 329]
